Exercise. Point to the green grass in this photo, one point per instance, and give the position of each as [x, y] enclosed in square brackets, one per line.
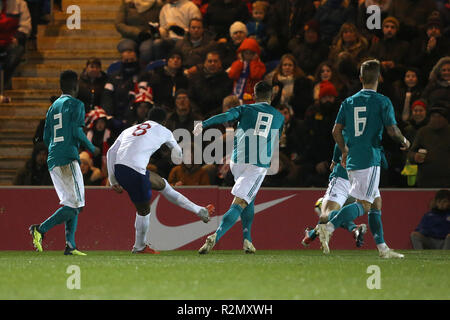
[299, 274]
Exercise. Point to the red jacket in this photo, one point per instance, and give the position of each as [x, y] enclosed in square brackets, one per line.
[256, 72]
[15, 21]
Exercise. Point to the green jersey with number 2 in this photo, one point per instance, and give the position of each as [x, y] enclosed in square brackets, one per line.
[64, 116]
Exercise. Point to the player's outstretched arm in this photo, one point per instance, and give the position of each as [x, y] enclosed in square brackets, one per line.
[395, 133]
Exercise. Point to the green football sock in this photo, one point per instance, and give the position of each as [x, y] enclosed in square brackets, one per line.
[71, 227]
[346, 225]
[61, 215]
[347, 214]
[247, 219]
[376, 226]
[228, 220]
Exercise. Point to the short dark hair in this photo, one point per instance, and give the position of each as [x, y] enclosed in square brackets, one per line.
[195, 19]
[263, 90]
[370, 71]
[68, 80]
[157, 114]
[94, 61]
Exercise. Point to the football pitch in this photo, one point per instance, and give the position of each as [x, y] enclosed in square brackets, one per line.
[186, 275]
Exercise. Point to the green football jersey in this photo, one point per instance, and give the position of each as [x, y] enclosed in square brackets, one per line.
[364, 116]
[259, 126]
[338, 170]
[63, 119]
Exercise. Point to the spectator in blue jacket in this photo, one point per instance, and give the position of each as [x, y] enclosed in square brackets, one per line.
[433, 231]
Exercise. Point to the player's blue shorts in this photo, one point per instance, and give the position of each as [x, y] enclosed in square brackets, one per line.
[137, 185]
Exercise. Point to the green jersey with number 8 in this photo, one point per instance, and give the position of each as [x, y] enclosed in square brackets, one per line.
[64, 119]
[259, 128]
[364, 116]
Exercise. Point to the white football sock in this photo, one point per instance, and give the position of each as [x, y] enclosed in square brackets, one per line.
[177, 198]
[141, 225]
[382, 247]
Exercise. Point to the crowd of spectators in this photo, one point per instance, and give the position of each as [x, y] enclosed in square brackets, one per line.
[189, 57]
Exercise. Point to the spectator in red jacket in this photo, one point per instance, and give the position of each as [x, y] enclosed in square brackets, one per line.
[247, 70]
[15, 26]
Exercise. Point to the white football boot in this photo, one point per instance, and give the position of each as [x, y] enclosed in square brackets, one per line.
[248, 247]
[209, 244]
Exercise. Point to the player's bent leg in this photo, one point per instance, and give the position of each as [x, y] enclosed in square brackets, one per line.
[228, 220]
[204, 213]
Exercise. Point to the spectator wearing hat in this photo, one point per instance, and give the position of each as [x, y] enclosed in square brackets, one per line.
[417, 120]
[412, 16]
[195, 44]
[120, 87]
[141, 106]
[309, 50]
[100, 135]
[91, 84]
[438, 87]
[286, 19]
[166, 80]
[319, 143]
[132, 22]
[92, 175]
[183, 117]
[291, 86]
[228, 46]
[406, 91]
[390, 51]
[221, 14]
[374, 34]
[433, 231]
[247, 70]
[431, 149]
[210, 85]
[431, 46]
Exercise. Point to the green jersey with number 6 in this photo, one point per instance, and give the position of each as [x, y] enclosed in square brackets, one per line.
[259, 128]
[63, 123]
[364, 116]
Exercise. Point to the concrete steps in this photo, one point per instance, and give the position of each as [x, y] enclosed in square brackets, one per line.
[61, 43]
[47, 70]
[88, 29]
[36, 80]
[36, 83]
[32, 95]
[25, 122]
[22, 109]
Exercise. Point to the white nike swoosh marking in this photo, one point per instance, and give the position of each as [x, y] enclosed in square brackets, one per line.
[163, 237]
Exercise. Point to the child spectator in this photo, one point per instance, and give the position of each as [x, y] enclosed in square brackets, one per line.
[433, 231]
[417, 120]
[325, 72]
[256, 26]
[247, 70]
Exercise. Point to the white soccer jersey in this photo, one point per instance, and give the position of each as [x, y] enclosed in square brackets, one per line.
[135, 145]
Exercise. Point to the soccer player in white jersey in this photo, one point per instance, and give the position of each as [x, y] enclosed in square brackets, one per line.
[261, 124]
[127, 161]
